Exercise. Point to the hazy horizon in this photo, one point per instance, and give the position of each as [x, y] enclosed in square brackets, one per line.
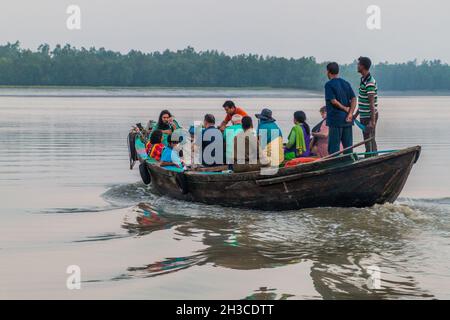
[287, 28]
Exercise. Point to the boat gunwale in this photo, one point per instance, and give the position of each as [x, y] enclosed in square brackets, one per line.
[357, 164]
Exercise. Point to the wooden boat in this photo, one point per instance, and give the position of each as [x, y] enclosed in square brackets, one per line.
[344, 181]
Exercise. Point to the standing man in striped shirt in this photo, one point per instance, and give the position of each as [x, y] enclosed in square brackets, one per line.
[368, 102]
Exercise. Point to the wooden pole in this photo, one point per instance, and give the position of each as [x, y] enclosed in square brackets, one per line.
[349, 148]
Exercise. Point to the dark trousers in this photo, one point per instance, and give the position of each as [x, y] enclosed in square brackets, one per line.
[338, 135]
[371, 146]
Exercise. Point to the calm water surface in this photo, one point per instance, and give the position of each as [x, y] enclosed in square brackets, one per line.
[65, 189]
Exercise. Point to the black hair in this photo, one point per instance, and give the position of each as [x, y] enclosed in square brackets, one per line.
[323, 109]
[156, 137]
[300, 117]
[247, 123]
[333, 68]
[210, 118]
[365, 62]
[161, 124]
[229, 104]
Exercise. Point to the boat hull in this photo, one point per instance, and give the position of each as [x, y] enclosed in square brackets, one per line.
[331, 183]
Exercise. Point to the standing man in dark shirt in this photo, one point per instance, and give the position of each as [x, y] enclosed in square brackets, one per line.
[341, 103]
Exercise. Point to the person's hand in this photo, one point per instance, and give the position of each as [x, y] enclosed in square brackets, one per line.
[349, 118]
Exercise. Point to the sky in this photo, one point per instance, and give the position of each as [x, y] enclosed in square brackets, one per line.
[325, 29]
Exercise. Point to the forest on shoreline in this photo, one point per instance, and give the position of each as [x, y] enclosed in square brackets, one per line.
[69, 66]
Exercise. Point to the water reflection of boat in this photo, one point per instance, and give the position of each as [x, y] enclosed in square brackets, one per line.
[333, 248]
[144, 217]
[345, 181]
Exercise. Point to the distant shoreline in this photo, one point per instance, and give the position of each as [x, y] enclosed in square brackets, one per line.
[183, 92]
[81, 67]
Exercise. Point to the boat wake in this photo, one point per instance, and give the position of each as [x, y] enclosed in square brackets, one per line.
[128, 195]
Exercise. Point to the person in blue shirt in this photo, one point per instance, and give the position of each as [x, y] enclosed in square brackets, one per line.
[170, 158]
[341, 103]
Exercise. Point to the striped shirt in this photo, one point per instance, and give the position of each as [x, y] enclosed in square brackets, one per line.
[368, 86]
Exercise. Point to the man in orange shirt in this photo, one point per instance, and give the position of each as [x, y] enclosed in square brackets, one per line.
[231, 110]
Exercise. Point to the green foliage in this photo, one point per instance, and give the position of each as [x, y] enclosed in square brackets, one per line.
[69, 66]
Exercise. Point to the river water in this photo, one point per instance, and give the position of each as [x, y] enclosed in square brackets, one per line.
[65, 188]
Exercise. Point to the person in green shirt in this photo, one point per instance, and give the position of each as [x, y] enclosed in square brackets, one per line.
[299, 139]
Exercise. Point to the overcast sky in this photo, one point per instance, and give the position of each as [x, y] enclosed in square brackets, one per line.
[326, 29]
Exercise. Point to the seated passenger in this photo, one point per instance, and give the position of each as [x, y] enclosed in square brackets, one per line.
[270, 137]
[211, 143]
[155, 145]
[167, 124]
[229, 134]
[248, 155]
[170, 157]
[299, 139]
[319, 144]
[231, 109]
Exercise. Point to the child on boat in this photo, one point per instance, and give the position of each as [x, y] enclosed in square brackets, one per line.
[155, 146]
[170, 157]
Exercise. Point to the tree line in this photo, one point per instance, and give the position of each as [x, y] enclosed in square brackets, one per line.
[70, 66]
